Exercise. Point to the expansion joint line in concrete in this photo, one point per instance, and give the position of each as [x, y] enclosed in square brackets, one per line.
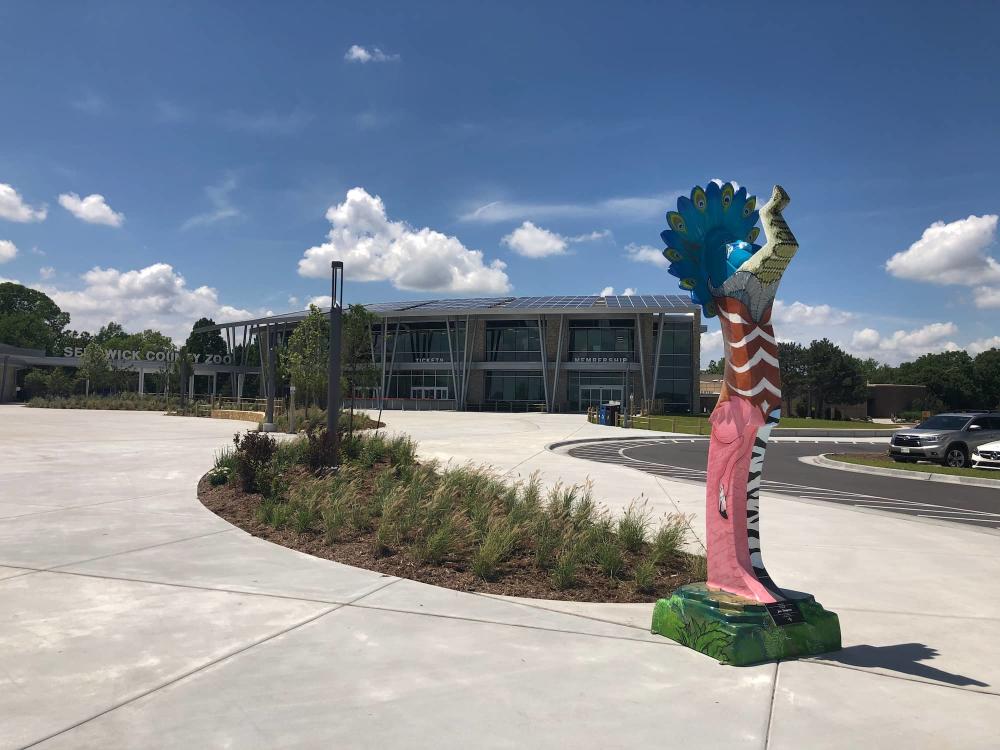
[57, 568]
[770, 705]
[206, 665]
[523, 626]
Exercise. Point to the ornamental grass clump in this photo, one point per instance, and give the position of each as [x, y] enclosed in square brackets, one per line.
[466, 524]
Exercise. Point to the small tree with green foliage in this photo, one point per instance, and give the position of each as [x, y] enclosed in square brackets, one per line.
[306, 354]
[94, 366]
[356, 354]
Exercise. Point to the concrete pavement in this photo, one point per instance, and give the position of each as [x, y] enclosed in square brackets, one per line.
[130, 616]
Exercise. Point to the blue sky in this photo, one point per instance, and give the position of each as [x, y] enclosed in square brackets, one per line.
[226, 140]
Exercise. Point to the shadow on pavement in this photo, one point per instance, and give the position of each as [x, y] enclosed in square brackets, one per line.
[906, 658]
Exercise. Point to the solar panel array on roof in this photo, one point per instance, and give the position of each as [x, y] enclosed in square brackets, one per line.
[648, 301]
[564, 302]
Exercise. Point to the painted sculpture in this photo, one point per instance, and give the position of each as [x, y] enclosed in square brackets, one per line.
[739, 615]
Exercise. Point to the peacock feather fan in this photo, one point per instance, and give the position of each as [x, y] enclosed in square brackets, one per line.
[711, 235]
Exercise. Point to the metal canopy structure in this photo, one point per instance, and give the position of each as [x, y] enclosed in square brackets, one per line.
[644, 303]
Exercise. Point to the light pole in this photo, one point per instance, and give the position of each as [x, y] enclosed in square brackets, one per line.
[333, 370]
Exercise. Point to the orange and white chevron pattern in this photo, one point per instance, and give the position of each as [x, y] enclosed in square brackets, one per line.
[751, 355]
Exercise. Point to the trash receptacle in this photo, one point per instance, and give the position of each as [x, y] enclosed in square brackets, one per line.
[611, 412]
[602, 414]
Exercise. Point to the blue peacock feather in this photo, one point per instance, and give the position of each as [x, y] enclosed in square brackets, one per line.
[711, 235]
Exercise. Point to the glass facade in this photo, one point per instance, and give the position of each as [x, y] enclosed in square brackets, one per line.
[420, 342]
[512, 341]
[512, 386]
[425, 384]
[586, 389]
[601, 340]
[673, 378]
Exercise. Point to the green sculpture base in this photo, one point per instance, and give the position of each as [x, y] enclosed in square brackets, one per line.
[741, 631]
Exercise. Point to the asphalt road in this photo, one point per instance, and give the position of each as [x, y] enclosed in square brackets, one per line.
[684, 459]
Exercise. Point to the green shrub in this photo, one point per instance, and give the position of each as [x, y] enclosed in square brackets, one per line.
[565, 569]
[697, 567]
[402, 451]
[304, 517]
[497, 546]
[645, 576]
[218, 476]
[254, 451]
[318, 449]
[632, 528]
[669, 539]
[609, 558]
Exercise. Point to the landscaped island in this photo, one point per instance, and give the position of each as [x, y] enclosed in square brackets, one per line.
[465, 527]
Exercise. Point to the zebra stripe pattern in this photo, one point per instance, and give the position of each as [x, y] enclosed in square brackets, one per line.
[753, 502]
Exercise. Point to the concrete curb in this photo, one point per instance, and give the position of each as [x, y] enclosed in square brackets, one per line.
[829, 463]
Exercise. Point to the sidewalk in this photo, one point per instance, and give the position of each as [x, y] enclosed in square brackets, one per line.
[132, 617]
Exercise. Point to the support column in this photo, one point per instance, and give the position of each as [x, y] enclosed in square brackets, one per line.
[545, 364]
[659, 351]
[142, 382]
[642, 358]
[555, 374]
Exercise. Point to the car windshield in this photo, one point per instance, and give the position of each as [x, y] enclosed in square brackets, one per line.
[944, 422]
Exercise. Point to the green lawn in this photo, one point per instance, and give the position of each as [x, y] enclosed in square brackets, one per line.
[888, 463]
[699, 425]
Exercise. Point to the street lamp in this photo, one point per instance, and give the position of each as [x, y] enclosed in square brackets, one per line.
[333, 370]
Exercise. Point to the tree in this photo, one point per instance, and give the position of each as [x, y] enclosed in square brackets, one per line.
[94, 366]
[206, 343]
[356, 353]
[108, 333]
[716, 368]
[306, 354]
[59, 383]
[794, 368]
[947, 375]
[835, 377]
[36, 383]
[986, 372]
[29, 318]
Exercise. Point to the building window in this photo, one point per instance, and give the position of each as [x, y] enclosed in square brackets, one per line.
[586, 389]
[421, 384]
[673, 377]
[420, 342]
[512, 386]
[608, 340]
[512, 341]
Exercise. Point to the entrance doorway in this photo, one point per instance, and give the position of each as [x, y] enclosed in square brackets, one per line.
[595, 395]
[429, 392]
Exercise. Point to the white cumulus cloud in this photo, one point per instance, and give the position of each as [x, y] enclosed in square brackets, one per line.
[982, 345]
[13, 207]
[899, 345]
[952, 253]
[8, 251]
[799, 313]
[46, 272]
[628, 208]
[359, 54]
[93, 209]
[152, 297]
[986, 296]
[534, 242]
[646, 254]
[374, 248]
[609, 291]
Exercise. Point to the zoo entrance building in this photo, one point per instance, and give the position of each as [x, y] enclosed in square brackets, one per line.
[554, 353]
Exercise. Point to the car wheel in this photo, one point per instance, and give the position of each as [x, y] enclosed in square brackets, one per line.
[956, 457]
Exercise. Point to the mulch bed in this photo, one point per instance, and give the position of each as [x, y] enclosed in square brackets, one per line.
[520, 575]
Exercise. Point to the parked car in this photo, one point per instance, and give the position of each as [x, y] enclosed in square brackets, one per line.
[948, 439]
[987, 456]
